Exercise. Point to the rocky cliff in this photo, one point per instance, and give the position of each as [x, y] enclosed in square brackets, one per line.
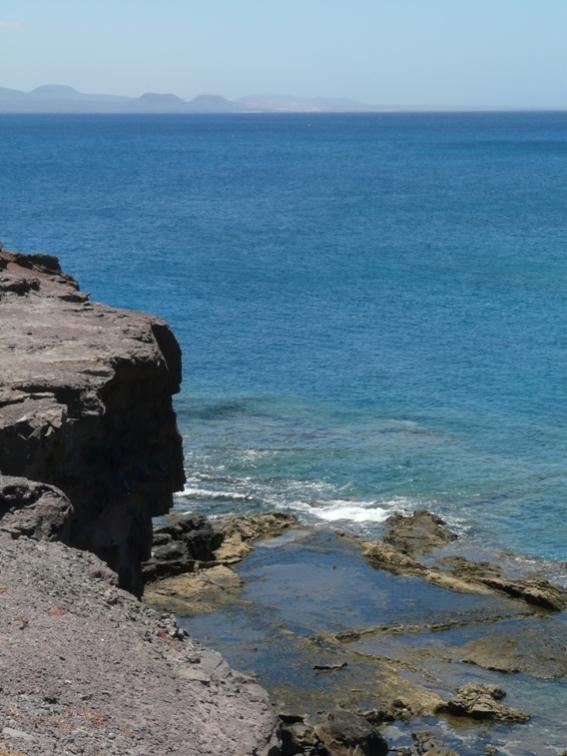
[89, 453]
[85, 405]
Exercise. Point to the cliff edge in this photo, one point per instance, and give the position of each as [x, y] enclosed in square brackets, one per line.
[89, 453]
[85, 405]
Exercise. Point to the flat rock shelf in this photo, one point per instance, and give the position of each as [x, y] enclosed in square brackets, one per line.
[323, 629]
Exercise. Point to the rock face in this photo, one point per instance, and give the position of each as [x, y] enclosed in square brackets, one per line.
[179, 544]
[85, 405]
[89, 453]
[34, 509]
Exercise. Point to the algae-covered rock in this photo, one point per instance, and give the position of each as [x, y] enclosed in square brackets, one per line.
[418, 533]
[428, 744]
[482, 701]
[195, 592]
[241, 531]
[539, 651]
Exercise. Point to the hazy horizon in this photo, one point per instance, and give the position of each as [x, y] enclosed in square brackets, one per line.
[61, 98]
[446, 53]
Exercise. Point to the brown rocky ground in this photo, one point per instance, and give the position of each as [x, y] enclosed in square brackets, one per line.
[86, 669]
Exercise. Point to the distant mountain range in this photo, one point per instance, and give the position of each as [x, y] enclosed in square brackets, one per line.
[55, 98]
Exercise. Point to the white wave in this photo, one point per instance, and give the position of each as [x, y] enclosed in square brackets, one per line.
[342, 509]
[337, 510]
[214, 477]
[190, 492]
[248, 455]
[310, 499]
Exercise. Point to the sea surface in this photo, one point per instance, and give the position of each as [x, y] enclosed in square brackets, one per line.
[372, 308]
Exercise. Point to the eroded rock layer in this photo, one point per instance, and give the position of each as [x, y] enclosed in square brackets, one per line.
[85, 405]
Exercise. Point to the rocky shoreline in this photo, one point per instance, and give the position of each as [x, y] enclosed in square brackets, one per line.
[446, 666]
[89, 454]
[412, 644]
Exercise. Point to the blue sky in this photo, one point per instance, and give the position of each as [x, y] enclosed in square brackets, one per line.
[508, 53]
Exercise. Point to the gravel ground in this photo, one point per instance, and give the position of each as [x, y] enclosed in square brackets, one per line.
[86, 669]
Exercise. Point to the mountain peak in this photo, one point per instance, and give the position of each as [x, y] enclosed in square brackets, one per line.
[56, 90]
[207, 103]
[160, 97]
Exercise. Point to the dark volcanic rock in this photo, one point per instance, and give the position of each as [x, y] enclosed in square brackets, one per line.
[190, 544]
[480, 701]
[239, 532]
[85, 405]
[300, 739]
[418, 533]
[348, 734]
[34, 509]
[177, 545]
[539, 650]
[531, 589]
[427, 744]
[342, 733]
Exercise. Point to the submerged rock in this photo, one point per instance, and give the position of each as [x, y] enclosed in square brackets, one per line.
[195, 593]
[239, 532]
[418, 533]
[427, 744]
[482, 701]
[537, 651]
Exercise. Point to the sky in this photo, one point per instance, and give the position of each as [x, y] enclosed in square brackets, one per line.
[446, 53]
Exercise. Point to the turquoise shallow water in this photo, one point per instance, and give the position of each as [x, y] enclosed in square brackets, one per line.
[300, 589]
[372, 308]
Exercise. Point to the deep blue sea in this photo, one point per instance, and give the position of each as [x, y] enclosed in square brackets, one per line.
[372, 308]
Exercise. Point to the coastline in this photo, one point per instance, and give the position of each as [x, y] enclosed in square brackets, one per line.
[411, 634]
[89, 453]
[361, 644]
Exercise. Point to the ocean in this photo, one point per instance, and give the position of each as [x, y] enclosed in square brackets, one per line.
[372, 308]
